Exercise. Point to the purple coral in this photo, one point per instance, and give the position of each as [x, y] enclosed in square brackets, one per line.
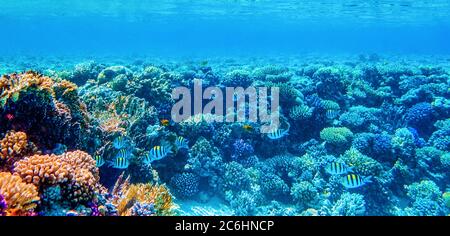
[419, 114]
[3, 205]
[241, 150]
[143, 209]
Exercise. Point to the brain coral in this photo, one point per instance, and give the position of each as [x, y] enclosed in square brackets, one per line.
[21, 198]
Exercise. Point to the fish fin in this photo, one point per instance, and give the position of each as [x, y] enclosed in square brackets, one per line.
[109, 163]
[350, 168]
[368, 179]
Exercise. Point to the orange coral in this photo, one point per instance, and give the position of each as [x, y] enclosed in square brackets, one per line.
[67, 88]
[20, 197]
[126, 195]
[43, 169]
[12, 85]
[14, 146]
[75, 171]
[84, 177]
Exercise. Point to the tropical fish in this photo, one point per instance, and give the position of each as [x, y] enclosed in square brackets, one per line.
[124, 153]
[337, 168]
[355, 181]
[247, 127]
[120, 163]
[157, 153]
[331, 114]
[120, 142]
[99, 160]
[181, 142]
[164, 122]
[277, 134]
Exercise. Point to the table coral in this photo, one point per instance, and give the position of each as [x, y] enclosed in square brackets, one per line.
[20, 197]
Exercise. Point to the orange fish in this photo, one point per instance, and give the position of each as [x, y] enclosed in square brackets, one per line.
[165, 122]
[247, 127]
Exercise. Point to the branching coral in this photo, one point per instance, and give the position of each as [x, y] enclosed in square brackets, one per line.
[21, 198]
[126, 196]
[337, 138]
[14, 146]
[362, 164]
[350, 204]
[75, 171]
[48, 111]
[426, 199]
[14, 86]
[43, 170]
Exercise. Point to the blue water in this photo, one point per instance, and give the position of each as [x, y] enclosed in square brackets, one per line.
[196, 28]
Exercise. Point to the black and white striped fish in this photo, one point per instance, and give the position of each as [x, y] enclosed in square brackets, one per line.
[124, 153]
[99, 160]
[157, 153]
[181, 142]
[355, 181]
[120, 163]
[277, 134]
[337, 168]
[120, 142]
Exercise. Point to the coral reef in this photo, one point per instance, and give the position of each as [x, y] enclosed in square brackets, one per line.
[19, 198]
[385, 119]
[141, 198]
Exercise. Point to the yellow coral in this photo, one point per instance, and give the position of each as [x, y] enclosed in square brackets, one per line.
[67, 87]
[126, 195]
[20, 197]
[12, 85]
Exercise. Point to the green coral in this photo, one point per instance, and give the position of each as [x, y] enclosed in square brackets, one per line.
[336, 135]
[304, 192]
[300, 112]
[362, 164]
[445, 160]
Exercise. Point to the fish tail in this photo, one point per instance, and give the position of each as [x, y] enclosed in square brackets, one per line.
[350, 168]
[368, 179]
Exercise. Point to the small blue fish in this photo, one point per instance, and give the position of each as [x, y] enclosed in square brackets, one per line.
[99, 160]
[337, 168]
[120, 163]
[124, 153]
[157, 153]
[181, 142]
[120, 142]
[355, 181]
[277, 134]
